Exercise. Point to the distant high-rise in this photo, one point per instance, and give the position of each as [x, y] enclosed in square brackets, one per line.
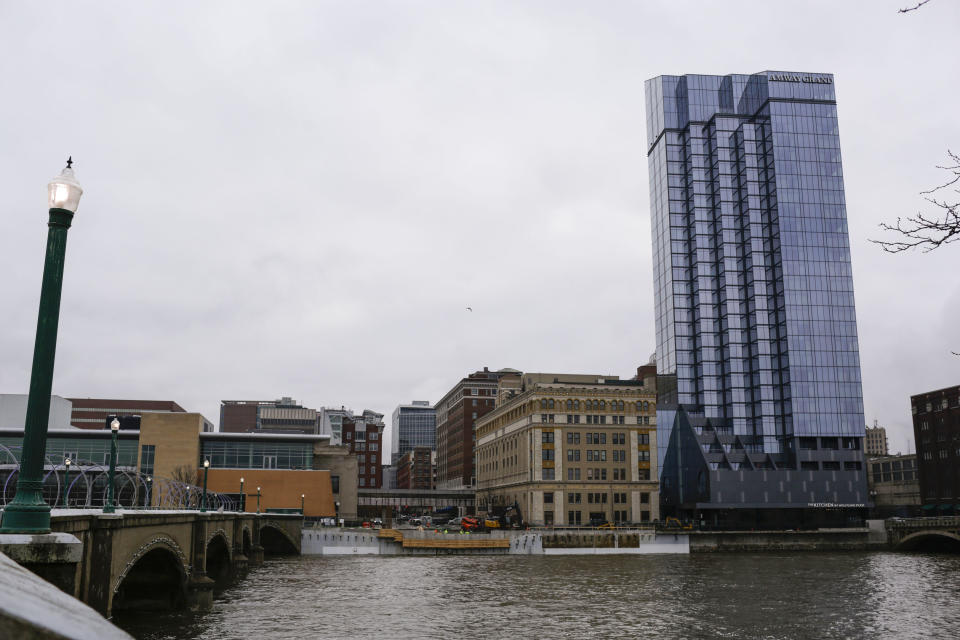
[876, 442]
[414, 425]
[760, 410]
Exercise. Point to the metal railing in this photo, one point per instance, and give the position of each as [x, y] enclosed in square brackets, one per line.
[84, 486]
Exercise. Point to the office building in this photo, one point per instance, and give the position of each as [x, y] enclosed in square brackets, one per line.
[267, 416]
[936, 429]
[413, 426]
[363, 435]
[457, 412]
[571, 450]
[760, 410]
[876, 441]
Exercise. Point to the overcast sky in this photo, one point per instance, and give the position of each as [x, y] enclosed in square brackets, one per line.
[303, 198]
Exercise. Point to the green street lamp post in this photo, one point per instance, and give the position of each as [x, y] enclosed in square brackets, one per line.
[203, 500]
[28, 512]
[66, 480]
[303, 498]
[111, 505]
[258, 499]
[146, 502]
[243, 497]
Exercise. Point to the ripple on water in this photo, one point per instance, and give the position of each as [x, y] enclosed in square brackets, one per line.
[772, 595]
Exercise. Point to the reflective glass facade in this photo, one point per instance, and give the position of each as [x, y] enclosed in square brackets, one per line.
[85, 451]
[756, 328]
[266, 454]
[413, 426]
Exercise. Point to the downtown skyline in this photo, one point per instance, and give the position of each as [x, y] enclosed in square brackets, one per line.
[196, 271]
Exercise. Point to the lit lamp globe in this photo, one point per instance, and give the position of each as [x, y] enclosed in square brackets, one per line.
[115, 425]
[63, 192]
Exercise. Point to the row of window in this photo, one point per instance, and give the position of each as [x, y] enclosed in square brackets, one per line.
[943, 454]
[594, 405]
[549, 418]
[575, 518]
[940, 405]
[829, 465]
[362, 435]
[600, 455]
[601, 498]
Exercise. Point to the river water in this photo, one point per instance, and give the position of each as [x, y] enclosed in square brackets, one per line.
[770, 595]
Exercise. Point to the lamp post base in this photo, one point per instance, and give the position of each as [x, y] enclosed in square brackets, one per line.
[26, 518]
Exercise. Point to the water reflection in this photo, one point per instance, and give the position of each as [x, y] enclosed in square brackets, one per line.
[788, 595]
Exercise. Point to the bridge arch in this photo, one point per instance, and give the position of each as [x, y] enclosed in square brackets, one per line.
[217, 558]
[276, 540]
[930, 540]
[155, 578]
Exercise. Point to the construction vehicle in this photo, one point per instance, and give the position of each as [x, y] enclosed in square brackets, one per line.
[674, 523]
[469, 523]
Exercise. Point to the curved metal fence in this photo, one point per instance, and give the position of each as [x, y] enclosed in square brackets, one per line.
[88, 482]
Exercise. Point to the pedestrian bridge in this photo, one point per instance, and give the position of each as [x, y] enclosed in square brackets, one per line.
[927, 534]
[150, 559]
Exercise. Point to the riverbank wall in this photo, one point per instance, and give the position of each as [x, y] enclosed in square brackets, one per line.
[587, 542]
[507, 542]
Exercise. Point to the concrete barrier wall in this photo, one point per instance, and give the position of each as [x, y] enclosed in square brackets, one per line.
[821, 540]
[366, 542]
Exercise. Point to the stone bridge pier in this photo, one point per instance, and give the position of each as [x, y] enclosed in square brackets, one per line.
[152, 560]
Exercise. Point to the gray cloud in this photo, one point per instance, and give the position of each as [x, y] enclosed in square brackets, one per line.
[301, 199]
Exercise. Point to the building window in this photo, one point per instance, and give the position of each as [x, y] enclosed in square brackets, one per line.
[335, 484]
[362, 482]
[147, 454]
[547, 454]
[373, 436]
[548, 474]
[547, 436]
[548, 497]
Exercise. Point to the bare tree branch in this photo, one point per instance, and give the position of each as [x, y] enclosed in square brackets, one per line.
[914, 8]
[924, 231]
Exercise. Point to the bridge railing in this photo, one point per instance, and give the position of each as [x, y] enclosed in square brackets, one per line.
[937, 522]
[85, 486]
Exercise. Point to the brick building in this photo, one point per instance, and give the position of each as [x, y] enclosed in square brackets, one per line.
[284, 415]
[571, 449]
[93, 413]
[415, 469]
[457, 412]
[363, 434]
[936, 429]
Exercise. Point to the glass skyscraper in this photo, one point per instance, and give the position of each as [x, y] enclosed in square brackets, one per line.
[760, 411]
[414, 425]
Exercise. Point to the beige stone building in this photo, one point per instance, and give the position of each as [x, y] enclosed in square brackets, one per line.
[570, 449]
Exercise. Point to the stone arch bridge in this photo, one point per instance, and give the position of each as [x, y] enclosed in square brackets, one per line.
[936, 534]
[168, 559]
